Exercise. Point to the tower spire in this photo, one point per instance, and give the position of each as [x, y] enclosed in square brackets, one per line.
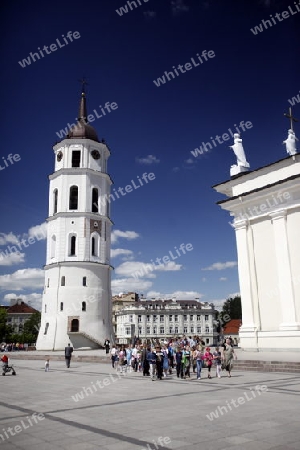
[82, 114]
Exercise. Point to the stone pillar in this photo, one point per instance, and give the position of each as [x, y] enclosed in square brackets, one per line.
[285, 282]
[244, 270]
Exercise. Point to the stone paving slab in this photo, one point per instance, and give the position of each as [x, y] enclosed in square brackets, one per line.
[90, 406]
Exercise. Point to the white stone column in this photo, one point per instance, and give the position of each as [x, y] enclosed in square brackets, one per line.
[241, 231]
[285, 282]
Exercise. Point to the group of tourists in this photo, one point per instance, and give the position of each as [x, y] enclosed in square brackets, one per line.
[158, 360]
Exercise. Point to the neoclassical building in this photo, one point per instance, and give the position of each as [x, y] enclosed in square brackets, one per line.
[265, 207]
[159, 319]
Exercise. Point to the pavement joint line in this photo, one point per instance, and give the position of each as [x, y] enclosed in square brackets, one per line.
[89, 428]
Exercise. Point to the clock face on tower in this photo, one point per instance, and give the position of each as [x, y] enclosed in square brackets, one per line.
[59, 156]
[95, 154]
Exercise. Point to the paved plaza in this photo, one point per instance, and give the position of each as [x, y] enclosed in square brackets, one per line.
[90, 406]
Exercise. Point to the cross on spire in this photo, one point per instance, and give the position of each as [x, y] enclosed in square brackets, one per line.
[292, 119]
[83, 82]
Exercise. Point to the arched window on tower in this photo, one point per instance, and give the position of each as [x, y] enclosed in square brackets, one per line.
[75, 325]
[46, 328]
[84, 281]
[95, 244]
[72, 245]
[95, 197]
[63, 281]
[55, 198]
[73, 200]
[83, 306]
[53, 246]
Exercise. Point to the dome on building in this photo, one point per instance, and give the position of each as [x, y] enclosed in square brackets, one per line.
[82, 130]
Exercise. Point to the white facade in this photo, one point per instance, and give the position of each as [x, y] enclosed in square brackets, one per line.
[76, 303]
[265, 205]
[160, 319]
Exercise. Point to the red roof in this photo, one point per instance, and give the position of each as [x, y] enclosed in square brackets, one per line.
[232, 327]
[22, 308]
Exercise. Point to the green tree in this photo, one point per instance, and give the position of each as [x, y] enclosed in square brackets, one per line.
[232, 308]
[31, 328]
[5, 330]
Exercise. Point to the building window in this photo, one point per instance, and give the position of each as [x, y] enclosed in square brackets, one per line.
[176, 318]
[198, 329]
[191, 318]
[55, 198]
[73, 199]
[185, 329]
[139, 318]
[170, 318]
[140, 330]
[75, 326]
[48, 282]
[20, 328]
[206, 317]
[131, 318]
[161, 330]
[176, 330]
[148, 330]
[46, 328]
[128, 330]
[206, 330]
[61, 306]
[45, 308]
[170, 330]
[198, 317]
[95, 200]
[63, 281]
[83, 306]
[148, 318]
[72, 246]
[207, 341]
[76, 158]
[162, 318]
[154, 330]
[154, 317]
[192, 329]
[185, 317]
[95, 245]
[84, 281]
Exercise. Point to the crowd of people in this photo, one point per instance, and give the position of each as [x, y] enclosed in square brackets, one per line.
[14, 347]
[183, 356]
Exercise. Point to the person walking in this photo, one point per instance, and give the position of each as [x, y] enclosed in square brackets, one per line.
[68, 355]
[107, 345]
[198, 355]
[228, 356]
[208, 356]
[217, 361]
[151, 357]
[113, 355]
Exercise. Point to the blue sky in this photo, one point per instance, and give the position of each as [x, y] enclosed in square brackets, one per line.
[154, 129]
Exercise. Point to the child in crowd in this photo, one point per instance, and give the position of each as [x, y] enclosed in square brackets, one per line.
[47, 364]
[208, 357]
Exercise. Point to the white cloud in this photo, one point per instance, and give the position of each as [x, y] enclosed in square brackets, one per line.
[34, 300]
[129, 285]
[221, 266]
[23, 279]
[169, 267]
[9, 259]
[178, 7]
[222, 279]
[119, 251]
[150, 159]
[178, 295]
[116, 234]
[190, 161]
[38, 232]
[149, 14]
[9, 238]
[204, 279]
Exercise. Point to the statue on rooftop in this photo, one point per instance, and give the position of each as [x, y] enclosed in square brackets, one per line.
[290, 143]
[242, 164]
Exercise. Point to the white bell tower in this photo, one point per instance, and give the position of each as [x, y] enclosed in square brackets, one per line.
[76, 303]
